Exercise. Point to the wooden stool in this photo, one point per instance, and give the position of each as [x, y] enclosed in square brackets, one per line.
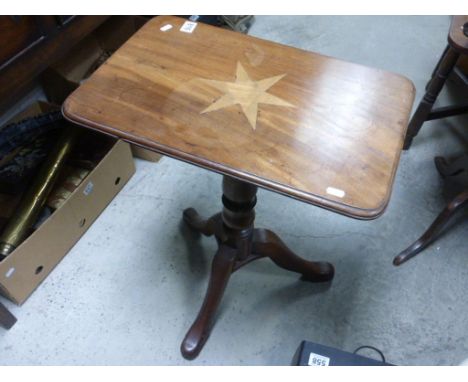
[456, 204]
[311, 127]
[457, 45]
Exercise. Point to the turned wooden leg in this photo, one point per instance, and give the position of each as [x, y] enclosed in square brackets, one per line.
[206, 227]
[239, 243]
[199, 332]
[7, 320]
[435, 85]
[233, 230]
[436, 68]
[435, 228]
[267, 243]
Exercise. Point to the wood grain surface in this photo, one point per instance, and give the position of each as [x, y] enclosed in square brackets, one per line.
[312, 127]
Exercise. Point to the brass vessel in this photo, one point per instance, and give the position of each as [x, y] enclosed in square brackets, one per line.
[34, 198]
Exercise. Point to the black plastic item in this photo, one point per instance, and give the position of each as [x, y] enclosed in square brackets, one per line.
[18, 171]
[22, 133]
[465, 29]
[210, 19]
[311, 354]
[236, 23]
[7, 320]
[23, 147]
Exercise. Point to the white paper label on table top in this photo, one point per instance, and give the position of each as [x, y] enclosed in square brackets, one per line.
[335, 192]
[166, 27]
[188, 27]
[318, 360]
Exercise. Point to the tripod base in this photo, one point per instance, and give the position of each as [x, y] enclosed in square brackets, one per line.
[239, 243]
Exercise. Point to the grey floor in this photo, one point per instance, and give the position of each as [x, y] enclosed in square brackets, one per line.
[129, 289]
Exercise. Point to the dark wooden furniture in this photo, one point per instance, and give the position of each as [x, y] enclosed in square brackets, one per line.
[453, 58]
[457, 46]
[446, 170]
[31, 43]
[311, 127]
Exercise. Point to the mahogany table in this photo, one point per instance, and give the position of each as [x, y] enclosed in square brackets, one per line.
[311, 127]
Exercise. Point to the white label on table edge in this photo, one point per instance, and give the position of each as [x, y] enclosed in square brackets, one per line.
[166, 27]
[335, 192]
[318, 360]
[188, 27]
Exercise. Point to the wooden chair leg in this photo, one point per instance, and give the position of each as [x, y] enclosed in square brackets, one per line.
[436, 67]
[267, 243]
[7, 320]
[199, 332]
[434, 230]
[435, 85]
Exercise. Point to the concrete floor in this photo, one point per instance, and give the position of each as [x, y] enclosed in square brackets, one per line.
[130, 288]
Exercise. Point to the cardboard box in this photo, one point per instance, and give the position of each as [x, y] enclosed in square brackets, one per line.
[61, 79]
[148, 155]
[26, 267]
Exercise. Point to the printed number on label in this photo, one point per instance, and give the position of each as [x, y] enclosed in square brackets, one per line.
[318, 360]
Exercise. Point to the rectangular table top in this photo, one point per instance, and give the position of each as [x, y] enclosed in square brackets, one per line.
[322, 130]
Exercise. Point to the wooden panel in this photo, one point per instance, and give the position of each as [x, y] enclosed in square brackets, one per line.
[456, 36]
[18, 74]
[315, 128]
[18, 33]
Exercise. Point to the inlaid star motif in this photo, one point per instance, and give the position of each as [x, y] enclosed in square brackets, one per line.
[246, 93]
